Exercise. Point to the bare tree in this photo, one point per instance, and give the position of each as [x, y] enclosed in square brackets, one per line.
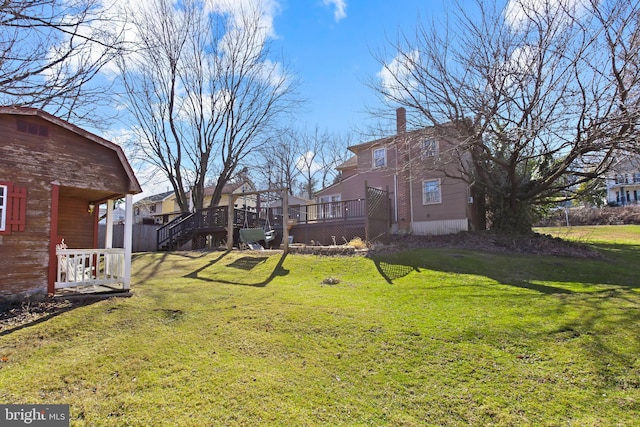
[278, 163]
[539, 96]
[320, 153]
[50, 51]
[333, 153]
[308, 163]
[204, 92]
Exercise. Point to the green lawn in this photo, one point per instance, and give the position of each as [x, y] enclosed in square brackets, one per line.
[424, 337]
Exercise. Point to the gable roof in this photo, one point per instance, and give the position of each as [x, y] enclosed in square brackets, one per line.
[134, 185]
[228, 188]
[154, 198]
[351, 163]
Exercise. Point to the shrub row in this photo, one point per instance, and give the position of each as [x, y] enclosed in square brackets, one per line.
[593, 216]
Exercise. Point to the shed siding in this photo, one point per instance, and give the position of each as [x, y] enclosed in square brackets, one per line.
[35, 161]
[75, 224]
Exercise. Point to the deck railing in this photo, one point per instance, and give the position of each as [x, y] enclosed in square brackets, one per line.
[330, 211]
[80, 267]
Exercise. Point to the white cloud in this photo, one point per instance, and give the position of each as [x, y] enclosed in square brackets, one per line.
[518, 13]
[340, 11]
[307, 162]
[396, 76]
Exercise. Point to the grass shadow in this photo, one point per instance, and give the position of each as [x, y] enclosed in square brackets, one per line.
[246, 263]
[151, 269]
[391, 272]
[522, 271]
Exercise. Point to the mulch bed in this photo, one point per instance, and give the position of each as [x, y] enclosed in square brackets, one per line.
[13, 315]
[533, 243]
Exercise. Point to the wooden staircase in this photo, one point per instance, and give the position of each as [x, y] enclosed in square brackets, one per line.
[176, 233]
[208, 221]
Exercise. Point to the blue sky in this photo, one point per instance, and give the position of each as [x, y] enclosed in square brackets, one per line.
[330, 46]
[333, 54]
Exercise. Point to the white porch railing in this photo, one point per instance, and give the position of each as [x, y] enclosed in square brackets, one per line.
[80, 267]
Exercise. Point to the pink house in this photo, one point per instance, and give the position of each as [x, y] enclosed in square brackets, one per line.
[421, 172]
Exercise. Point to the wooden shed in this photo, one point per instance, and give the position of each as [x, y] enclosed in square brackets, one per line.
[53, 178]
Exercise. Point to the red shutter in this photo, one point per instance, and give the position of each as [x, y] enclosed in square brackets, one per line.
[16, 208]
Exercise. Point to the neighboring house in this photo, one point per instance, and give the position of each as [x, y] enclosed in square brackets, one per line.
[419, 170]
[53, 178]
[228, 191]
[623, 182]
[118, 215]
[156, 209]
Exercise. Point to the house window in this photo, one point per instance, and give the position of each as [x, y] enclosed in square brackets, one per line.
[636, 178]
[379, 157]
[430, 147]
[330, 206]
[152, 208]
[13, 207]
[431, 192]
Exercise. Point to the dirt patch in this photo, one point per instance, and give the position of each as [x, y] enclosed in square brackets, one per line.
[14, 315]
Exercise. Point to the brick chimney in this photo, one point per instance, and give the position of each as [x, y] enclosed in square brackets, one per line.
[401, 121]
[403, 174]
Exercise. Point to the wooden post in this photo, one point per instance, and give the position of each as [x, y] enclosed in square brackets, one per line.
[285, 220]
[128, 234]
[367, 200]
[230, 220]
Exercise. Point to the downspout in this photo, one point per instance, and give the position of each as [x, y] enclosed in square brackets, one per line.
[410, 186]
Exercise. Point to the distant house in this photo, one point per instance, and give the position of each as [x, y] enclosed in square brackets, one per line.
[53, 178]
[420, 171]
[162, 208]
[228, 191]
[156, 209]
[623, 182]
[118, 214]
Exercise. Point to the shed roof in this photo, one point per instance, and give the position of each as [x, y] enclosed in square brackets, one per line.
[134, 185]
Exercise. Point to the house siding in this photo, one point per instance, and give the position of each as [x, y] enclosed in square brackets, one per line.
[446, 226]
[406, 170]
[62, 157]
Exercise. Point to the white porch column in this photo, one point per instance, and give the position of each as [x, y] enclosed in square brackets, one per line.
[128, 233]
[108, 236]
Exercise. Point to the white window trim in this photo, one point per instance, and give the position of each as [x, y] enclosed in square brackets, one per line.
[424, 201]
[384, 157]
[431, 153]
[330, 205]
[329, 198]
[4, 201]
[3, 207]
